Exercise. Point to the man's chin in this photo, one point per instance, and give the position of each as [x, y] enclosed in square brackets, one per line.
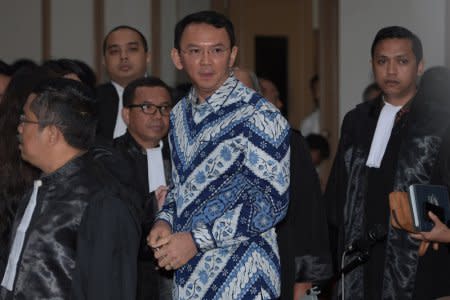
[156, 137]
[392, 92]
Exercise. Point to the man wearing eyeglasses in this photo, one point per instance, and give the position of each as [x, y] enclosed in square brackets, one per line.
[147, 103]
[76, 232]
[230, 153]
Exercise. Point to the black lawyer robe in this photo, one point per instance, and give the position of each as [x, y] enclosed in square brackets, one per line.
[357, 199]
[303, 234]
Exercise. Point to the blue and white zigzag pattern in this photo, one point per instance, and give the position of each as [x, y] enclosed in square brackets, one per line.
[230, 159]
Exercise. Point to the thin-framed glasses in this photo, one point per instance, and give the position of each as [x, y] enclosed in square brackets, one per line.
[150, 109]
[197, 52]
[23, 119]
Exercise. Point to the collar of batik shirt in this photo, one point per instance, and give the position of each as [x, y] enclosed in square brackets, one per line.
[217, 100]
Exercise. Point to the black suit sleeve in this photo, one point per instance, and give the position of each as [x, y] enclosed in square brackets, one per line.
[107, 103]
[107, 249]
[335, 192]
[303, 234]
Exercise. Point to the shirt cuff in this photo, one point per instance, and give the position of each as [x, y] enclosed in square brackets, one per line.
[203, 238]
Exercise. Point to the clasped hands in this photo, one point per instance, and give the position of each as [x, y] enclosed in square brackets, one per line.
[171, 250]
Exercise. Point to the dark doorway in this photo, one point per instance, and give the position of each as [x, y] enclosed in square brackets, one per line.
[271, 54]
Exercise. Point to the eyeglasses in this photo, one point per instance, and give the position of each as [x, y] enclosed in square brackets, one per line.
[150, 109]
[23, 119]
[214, 52]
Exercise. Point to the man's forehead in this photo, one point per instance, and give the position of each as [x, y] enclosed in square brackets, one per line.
[203, 33]
[394, 46]
[146, 92]
[123, 36]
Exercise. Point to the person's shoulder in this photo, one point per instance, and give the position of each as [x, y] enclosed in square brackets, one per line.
[105, 91]
[123, 143]
[110, 160]
[179, 107]
[246, 94]
[104, 86]
[266, 120]
[264, 109]
[361, 110]
[109, 187]
[107, 204]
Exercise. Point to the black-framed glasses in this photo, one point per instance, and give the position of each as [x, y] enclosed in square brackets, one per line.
[150, 109]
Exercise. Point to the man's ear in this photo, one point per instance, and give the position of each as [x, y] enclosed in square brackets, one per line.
[148, 57]
[126, 115]
[53, 134]
[233, 55]
[420, 68]
[176, 59]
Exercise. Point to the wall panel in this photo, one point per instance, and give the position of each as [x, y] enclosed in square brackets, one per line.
[20, 30]
[72, 30]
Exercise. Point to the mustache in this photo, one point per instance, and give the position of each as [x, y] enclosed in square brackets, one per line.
[19, 138]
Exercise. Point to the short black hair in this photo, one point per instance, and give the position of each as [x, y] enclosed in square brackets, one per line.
[5, 69]
[87, 74]
[144, 41]
[149, 81]
[181, 90]
[435, 88]
[23, 63]
[318, 142]
[69, 105]
[398, 32]
[64, 66]
[204, 17]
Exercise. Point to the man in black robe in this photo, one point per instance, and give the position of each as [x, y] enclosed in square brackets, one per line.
[147, 103]
[76, 233]
[386, 145]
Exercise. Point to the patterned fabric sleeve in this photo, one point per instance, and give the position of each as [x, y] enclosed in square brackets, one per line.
[259, 186]
[168, 210]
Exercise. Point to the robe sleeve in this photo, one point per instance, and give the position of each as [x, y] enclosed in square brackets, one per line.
[441, 172]
[168, 210]
[303, 234]
[335, 192]
[107, 250]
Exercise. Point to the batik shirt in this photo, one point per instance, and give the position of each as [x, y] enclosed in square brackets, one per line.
[230, 157]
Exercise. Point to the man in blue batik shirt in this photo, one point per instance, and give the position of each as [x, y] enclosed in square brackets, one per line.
[230, 155]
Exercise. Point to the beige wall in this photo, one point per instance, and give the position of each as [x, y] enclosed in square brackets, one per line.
[290, 18]
[72, 33]
[21, 30]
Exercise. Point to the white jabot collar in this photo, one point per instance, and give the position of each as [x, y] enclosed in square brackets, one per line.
[382, 134]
